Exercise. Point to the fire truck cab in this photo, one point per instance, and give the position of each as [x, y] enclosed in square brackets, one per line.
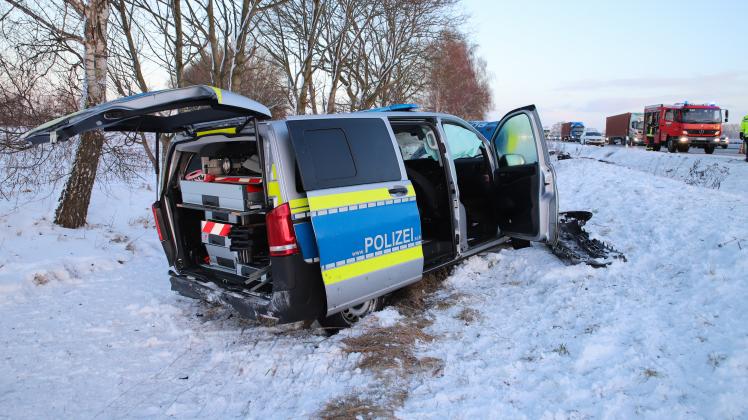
[682, 126]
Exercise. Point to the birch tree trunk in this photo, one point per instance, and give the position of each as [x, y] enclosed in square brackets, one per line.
[73, 204]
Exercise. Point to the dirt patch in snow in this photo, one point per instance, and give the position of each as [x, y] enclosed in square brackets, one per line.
[389, 353]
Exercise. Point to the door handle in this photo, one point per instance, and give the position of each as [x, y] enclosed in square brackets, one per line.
[398, 191]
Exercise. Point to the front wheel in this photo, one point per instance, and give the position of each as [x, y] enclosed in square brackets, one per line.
[520, 243]
[349, 317]
[671, 146]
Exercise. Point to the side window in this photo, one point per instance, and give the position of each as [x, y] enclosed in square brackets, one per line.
[340, 152]
[417, 142]
[515, 143]
[462, 142]
[669, 115]
[330, 154]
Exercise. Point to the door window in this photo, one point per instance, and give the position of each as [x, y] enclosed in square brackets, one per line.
[515, 142]
[462, 142]
[417, 143]
[669, 115]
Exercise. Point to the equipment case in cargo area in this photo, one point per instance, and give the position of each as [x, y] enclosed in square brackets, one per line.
[217, 240]
[223, 195]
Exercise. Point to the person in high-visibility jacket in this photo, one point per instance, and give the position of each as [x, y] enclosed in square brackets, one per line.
[744, 136]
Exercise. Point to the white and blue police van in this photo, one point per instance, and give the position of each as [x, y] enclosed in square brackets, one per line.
[319, 217]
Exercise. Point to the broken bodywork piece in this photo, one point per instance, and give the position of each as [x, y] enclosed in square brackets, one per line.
[575, 246]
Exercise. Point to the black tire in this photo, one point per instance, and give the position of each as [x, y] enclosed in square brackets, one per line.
[349, 317]
[520, 243]
[683, 148]
[708, 149]
[671, 146]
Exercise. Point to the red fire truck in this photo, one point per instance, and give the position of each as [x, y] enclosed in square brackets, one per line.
[682, 126]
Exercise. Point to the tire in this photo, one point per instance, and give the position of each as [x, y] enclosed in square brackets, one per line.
[671, 145]
[349, 317]
[520, 243]
[683, 148]
[708, 149]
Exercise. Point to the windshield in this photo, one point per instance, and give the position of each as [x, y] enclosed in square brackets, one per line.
[593, 133]
[704, 116]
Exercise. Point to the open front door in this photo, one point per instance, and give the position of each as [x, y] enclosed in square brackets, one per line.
[525, 181]
[362, 205]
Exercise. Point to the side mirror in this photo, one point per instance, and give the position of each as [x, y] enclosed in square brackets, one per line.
[511, 160]
[727, 115]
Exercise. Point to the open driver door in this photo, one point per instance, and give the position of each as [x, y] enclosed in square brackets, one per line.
[525, 181]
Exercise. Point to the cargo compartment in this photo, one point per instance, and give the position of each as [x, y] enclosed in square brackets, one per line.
[220, 211]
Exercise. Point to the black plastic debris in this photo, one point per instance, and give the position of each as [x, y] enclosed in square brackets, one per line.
[575, 246]
[563, 156]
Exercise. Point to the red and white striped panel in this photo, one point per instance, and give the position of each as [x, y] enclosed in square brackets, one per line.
[213, 228]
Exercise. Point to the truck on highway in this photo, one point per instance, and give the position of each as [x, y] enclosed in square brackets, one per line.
[682, 126]
[572, 131]
[625, 129]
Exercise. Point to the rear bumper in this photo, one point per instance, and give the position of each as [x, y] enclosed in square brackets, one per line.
[297, 292]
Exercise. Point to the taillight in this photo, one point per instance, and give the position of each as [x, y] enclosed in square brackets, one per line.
[281, 235]
[154, 208]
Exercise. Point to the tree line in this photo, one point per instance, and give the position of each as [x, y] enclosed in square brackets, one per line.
[295, 56]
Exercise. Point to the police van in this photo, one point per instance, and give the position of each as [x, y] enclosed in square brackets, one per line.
[318, 217]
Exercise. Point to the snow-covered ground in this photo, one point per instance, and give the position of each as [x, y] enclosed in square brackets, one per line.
[91, 329]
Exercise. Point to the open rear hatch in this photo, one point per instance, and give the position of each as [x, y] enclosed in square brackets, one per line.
[151, 112]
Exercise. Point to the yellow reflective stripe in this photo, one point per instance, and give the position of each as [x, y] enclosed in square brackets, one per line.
[274, 187]
[356, 269]
[274, 191]
[219, 94]
[229, 130]
[298, 202]
[354, 197]
[299, 205]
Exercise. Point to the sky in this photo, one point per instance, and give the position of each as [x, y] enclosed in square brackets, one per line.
[585, 60]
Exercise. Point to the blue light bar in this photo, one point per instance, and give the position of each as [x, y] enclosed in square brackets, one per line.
[394, 108]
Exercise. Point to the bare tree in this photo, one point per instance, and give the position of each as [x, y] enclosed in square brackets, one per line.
[457, 82]
[390, 63]
[88, 29]
[290, 33]
[258, 78]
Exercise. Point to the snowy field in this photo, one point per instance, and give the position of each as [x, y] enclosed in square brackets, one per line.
[90, 328]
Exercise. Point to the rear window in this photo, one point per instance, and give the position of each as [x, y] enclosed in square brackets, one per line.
[343, 152]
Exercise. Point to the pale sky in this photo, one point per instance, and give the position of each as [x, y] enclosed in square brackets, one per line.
[582, 60]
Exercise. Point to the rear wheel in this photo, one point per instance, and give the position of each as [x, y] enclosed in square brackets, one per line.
[350, 316]
[708, 149]
[520, 243]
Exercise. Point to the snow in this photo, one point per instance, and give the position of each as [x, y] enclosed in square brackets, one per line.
[91, 329]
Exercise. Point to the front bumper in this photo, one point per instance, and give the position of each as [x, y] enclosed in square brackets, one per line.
[297, 292]
[700, 141]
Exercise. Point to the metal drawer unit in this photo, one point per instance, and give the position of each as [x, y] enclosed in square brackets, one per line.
[215, 195]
